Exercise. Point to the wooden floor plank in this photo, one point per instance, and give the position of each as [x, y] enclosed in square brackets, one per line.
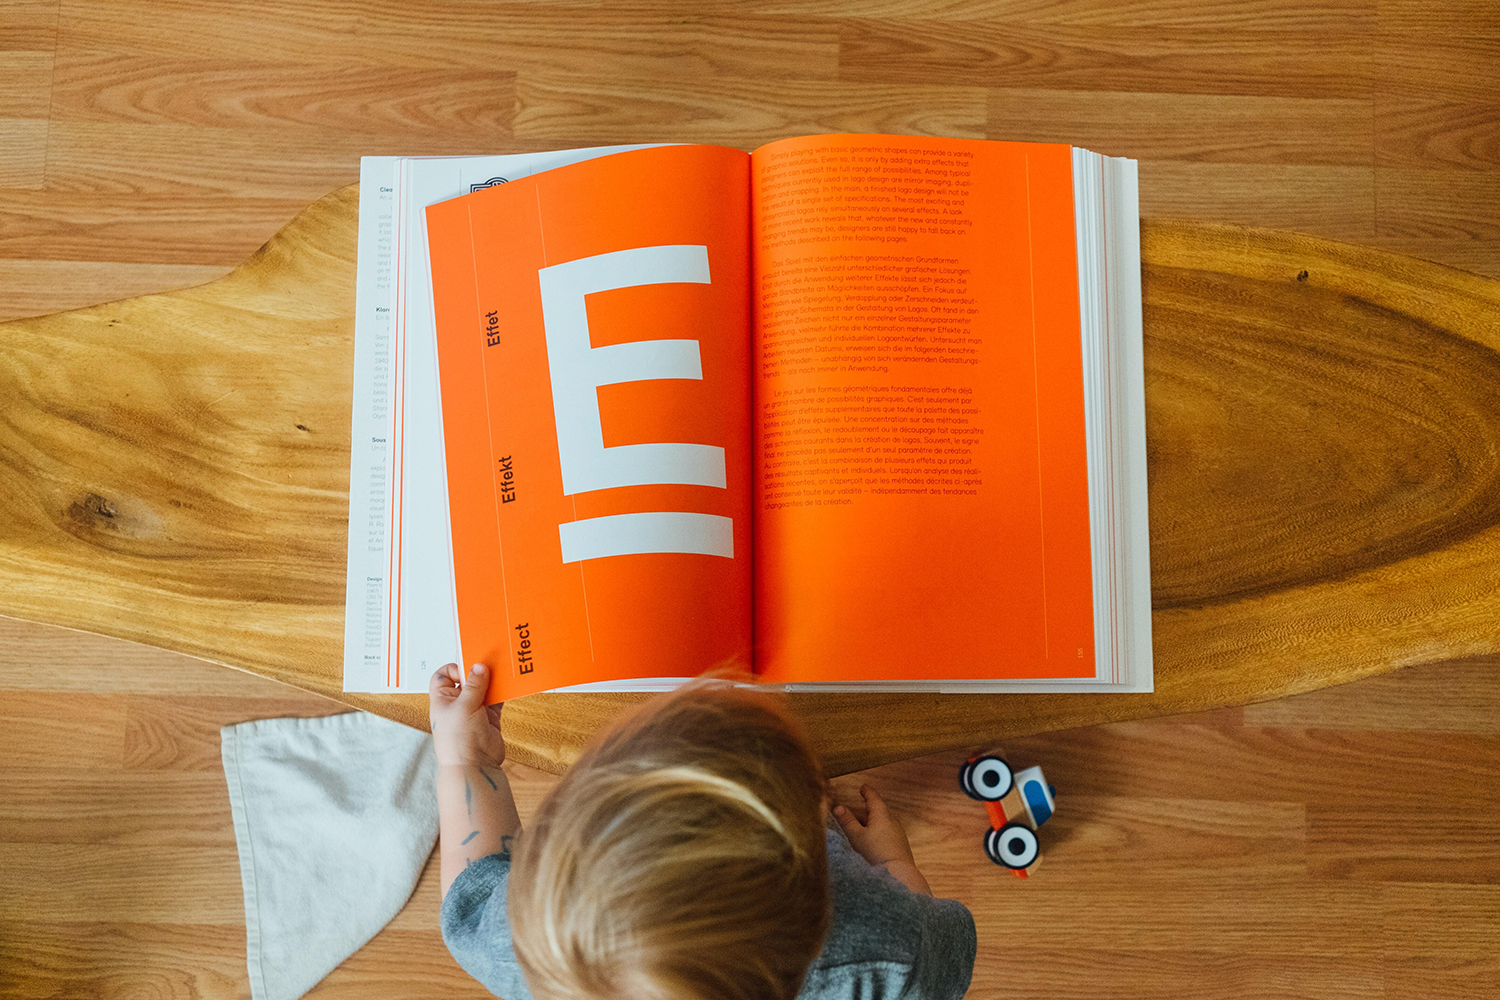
[97, 664]
[45, 805]
[25, 83]
[451, 33]
[85, 731]
[126, 159]
[1442, 977]
[1079, 974]
[38, 287]
[181, 732]
[138, 228]
[1449, 921]
[1377, 843]
[23, 153]
[1459, 696]
[738, 111]
[1462, 204]
[1456, 61]
[1265, 917]
[1332, 201]
[382, 104]
[397, 963]
[1336, 64]
[122, 883]
[1427, 133]
[111, 959]
[1198, 128]
[1405, 19]
[1271, 16]
[30, 25]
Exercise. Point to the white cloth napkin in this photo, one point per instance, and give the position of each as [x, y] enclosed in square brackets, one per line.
[334, 819]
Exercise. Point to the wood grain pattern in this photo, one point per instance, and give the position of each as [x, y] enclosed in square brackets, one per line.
[25, 84]
[23, 141]
[1323, 489]
[1453, 61]
[1338, 849]
[1431, 133]
[1473, 213]
[138, 228]
[92, 730]
[27, 50]
[1193, 128]
[165, 961]
[1336, 200]
[1271, 17]
[744, 111]
[30, 25]
[43, 286]
[317, 83]
[1336, 64]
[413, 102]
[100, 804]
[1459, 702]
[180, 732]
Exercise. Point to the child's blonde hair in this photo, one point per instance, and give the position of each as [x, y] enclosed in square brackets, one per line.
[681, 857]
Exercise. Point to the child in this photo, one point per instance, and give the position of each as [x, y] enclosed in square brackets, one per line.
[686, 855]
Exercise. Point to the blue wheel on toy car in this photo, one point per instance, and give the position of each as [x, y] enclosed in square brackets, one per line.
[1014, 846]
[987, 779]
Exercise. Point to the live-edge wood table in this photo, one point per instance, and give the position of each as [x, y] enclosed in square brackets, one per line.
[1323, 428]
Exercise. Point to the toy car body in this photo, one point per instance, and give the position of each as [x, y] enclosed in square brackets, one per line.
[1017, 802]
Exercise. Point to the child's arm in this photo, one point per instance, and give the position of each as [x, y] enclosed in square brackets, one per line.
[881, 841]
[476, 812]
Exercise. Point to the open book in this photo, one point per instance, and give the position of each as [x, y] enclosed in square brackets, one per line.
[852, 411]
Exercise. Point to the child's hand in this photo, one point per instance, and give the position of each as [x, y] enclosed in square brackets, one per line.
[464, 729]
[879, 839]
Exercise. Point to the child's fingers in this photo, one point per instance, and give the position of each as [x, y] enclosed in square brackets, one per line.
[874, 803]
[847, 819]
[442, 680]
[475, 686]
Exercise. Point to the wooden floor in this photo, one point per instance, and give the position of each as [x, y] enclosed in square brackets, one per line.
[1340, 844]
[147, 145]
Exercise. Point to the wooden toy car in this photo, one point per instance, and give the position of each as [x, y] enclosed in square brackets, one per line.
[1017, 802]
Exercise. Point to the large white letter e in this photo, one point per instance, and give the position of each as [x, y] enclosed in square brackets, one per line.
[578, 369]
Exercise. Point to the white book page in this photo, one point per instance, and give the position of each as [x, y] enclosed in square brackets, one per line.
[394, 645]
[367, 583]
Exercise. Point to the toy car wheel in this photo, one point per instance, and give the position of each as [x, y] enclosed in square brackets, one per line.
[1013, 845]
[987, 779]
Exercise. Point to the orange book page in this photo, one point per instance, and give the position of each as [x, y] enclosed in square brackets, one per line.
[593, 353]
[921, 491]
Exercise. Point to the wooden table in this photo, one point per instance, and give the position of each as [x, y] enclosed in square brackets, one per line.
[1322, 425]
